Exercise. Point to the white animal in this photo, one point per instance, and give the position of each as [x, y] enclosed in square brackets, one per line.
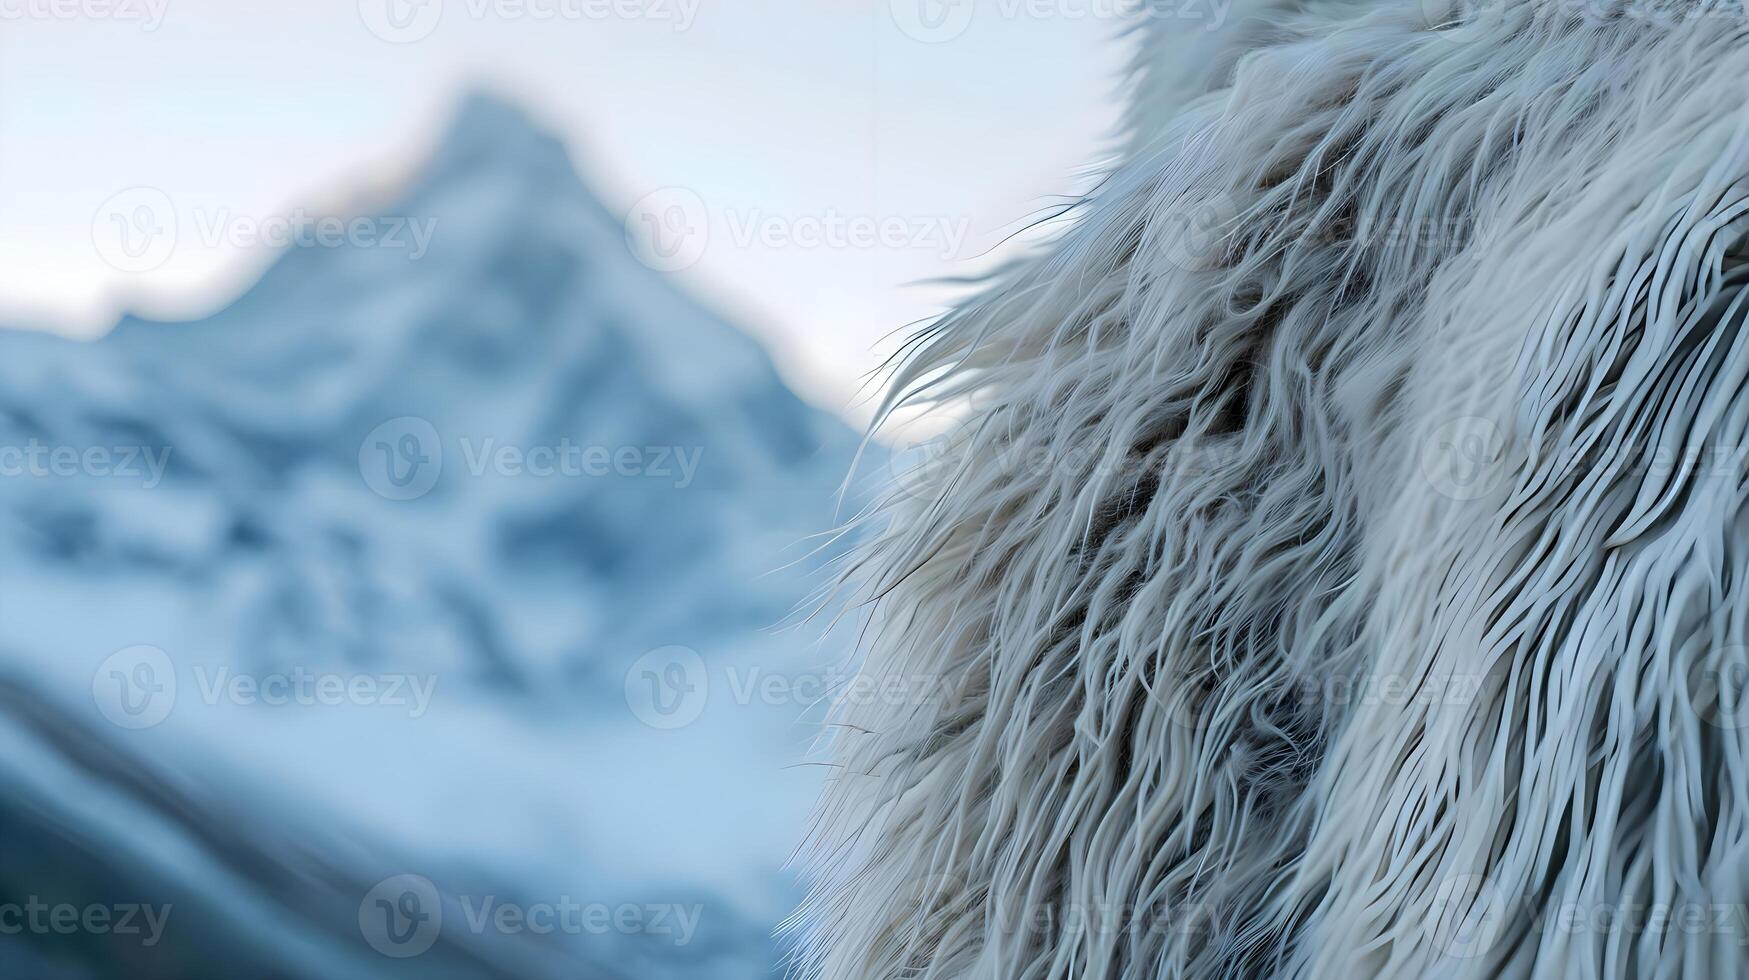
[1344, 568]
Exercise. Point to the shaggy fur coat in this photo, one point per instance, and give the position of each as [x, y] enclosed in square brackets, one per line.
[1342, 567]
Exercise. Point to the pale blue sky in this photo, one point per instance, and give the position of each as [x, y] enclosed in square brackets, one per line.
[786, 109]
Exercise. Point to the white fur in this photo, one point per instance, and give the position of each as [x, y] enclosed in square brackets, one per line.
[1317, 587]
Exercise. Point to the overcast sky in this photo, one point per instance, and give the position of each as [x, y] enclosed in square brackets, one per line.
[948, 123]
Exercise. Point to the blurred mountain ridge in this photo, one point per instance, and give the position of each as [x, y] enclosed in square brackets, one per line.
[513, 463]
[529, 325]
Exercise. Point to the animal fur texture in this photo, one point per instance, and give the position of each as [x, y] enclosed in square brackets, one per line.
[1342, 568]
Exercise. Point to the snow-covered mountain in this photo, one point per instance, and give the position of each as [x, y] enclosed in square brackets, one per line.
[514, 476]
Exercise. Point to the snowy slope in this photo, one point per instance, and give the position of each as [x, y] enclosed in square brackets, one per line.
[315, 489]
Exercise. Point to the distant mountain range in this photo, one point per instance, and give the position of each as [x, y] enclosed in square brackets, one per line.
[496, 474]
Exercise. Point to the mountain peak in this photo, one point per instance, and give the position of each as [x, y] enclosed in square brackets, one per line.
[489, 131]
